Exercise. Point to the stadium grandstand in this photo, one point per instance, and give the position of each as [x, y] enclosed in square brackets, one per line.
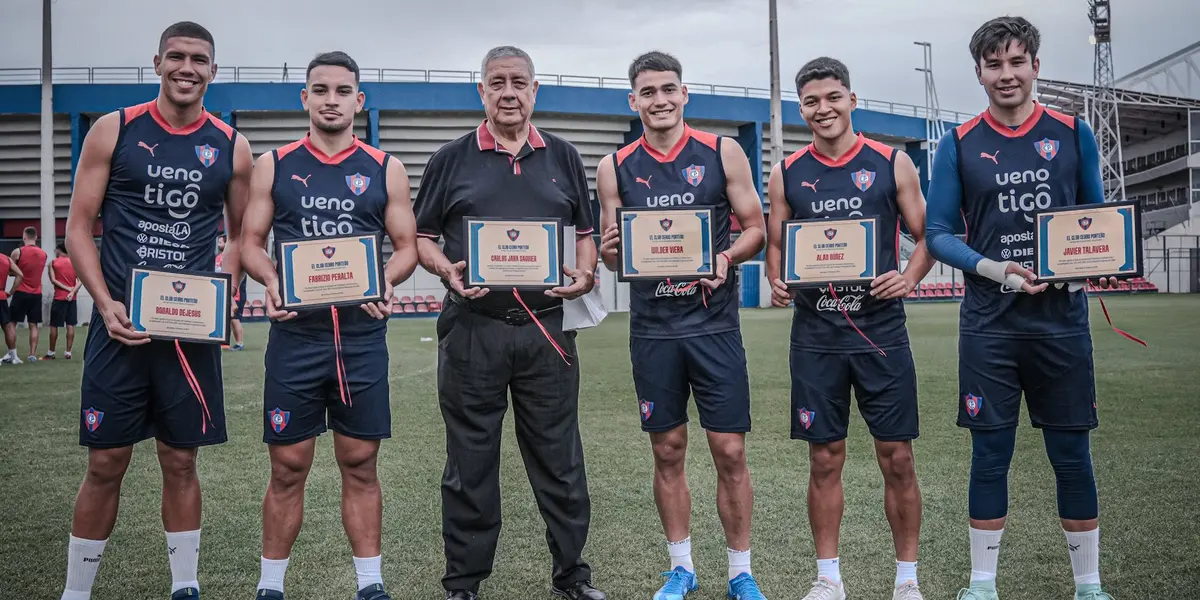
[411, 113]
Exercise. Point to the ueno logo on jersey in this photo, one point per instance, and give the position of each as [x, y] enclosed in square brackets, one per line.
[315, 225]
[671, 200]
[854, 205]
[358, 183]
[863, 179]
[179, 202]
[207, 155]
[1037, 199]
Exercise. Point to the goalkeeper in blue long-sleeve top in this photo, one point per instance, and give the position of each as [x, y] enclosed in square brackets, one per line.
[994, 173]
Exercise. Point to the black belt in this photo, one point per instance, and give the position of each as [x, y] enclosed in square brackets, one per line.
[511, 316]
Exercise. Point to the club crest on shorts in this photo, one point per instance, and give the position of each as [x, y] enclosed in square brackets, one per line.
[830, 233]
[646, 408]
[513, 234]
[178, 286]
[358, 183]
[806, 417]
[863, 179]
[328, 251]
[1046, 148]
[207, 155]
[1085, 222]
[973, 404]
[278, 419]
[665, 224]
[693, 174]
[92, 418]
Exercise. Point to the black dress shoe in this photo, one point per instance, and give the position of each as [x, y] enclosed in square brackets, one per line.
[581, 590]
[462, 595]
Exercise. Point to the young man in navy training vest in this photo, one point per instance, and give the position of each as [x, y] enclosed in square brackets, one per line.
[1015, 335]
[686, 337]
[327, 365]
[841, 175]
[163, 174]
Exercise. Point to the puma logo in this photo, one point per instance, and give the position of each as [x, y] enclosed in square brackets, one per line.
[303, 180]
[992, 157]
[813, 185]
[149, 149]
[645, 181]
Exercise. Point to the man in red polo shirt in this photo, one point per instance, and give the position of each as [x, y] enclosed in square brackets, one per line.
[64, 309]
[26, 301]
[8, 267]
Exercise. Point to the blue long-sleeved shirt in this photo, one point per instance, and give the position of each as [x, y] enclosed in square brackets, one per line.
[944, 203]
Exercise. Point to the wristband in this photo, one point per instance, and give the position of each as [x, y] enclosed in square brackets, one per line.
[728, 258]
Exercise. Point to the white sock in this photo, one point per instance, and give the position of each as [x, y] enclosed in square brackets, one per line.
[68, 353]
[49, 353]
[1084, 548]
[83, 560]
[370, 571]
[12, 353]
[183, 550]
[681, 554]
[905, 572]
[829, 569]
[739, 562]
[985, 553]
[272, 574]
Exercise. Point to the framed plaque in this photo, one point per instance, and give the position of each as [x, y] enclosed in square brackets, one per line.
[520, 253]
[819, 252]
[189, 306]
[1075, 243]
[321, 272]
[674, 243]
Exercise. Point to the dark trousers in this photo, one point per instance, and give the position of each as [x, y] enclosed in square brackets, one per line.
[481, 360]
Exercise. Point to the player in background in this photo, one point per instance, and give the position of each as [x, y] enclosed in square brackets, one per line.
[63, 311]
[828, 355]
[163, 174]
[8, 267]
[1015, 335]
[26, 303]
[686, 337]
[327, 365]
[239, 299]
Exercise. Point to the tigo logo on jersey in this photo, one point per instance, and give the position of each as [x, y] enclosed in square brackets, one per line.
[513, 234]
[1085, 222]
[207, 155]
[665, 224]
[178, 286]
[693, 175]
[278, 419]
[647, 408]
[92, 418]
[806, 417]
[973, 404]
[1047, 148]
[358, 183]
[830, 233]
[863, 179]
[328, 251]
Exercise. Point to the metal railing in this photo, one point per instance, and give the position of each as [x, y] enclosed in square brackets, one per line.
[285, 74]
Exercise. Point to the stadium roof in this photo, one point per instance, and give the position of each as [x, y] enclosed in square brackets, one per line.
[1143, 115]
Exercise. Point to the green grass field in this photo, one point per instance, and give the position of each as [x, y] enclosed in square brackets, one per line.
[1145, 452]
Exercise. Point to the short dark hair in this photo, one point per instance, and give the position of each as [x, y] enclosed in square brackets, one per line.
[822, 68]
[654, 61]
[29, 233]
[186, 29]
[996, 35]
[337, 58]
[61, 247]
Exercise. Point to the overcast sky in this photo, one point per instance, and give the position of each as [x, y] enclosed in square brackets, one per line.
[718, 41]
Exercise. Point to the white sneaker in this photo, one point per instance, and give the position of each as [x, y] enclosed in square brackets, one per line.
[824, 589]
[908, 591]
[10, 359]
[33, 358]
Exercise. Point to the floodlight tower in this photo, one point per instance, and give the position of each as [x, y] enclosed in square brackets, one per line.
[1104, 110]
[935, 128]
